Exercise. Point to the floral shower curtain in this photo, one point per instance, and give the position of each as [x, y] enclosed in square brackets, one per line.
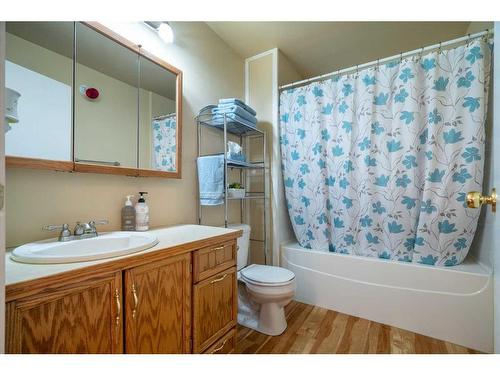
[378, 163]
[164, 143]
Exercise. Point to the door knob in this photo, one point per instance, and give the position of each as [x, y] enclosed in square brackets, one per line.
[475, 199]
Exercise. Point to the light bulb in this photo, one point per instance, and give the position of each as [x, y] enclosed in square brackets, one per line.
[166, 33]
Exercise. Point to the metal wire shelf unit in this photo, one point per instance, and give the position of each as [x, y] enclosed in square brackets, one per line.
[229, 126]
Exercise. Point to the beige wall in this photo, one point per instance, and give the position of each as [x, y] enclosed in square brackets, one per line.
[286, 71]
[476, 27]
[35, 198]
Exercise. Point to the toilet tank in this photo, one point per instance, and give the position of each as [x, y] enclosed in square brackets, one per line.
[243, 245]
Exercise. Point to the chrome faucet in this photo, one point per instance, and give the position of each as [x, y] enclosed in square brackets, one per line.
[81, 231]
[65, 234]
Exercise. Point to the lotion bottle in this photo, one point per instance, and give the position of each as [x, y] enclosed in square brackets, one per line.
[141, 213]
[128, 215]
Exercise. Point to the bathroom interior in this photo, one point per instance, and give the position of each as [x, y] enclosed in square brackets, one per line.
[176, 187]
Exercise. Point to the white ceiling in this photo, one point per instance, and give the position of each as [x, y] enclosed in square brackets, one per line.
[321, 47]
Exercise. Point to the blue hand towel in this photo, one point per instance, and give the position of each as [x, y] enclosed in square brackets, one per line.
[211, 179]
[240, 103]
[234, 108]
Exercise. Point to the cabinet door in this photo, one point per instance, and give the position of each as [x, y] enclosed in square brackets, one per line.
[215, 308]
[78, 318]
[158, 307]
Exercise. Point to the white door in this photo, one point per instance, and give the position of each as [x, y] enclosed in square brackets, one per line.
[486, 246]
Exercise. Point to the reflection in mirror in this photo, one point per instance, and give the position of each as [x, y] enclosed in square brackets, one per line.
[38, 78]
[157, 118]
[106, 98]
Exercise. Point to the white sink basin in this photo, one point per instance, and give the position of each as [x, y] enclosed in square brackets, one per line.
[106, 245]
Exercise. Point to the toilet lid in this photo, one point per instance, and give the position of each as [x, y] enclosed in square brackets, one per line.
[267, 274]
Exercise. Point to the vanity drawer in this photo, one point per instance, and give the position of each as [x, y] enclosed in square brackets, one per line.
[226, 345]
[215, 309]
[211, 260]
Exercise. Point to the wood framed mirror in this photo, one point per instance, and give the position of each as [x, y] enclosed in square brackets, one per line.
[119, 107]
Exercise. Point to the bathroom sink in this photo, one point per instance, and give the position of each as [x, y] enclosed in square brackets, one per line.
[106, 245]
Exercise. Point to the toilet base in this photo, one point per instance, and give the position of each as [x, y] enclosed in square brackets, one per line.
[248, 311]
[267, 318]
[272, 319]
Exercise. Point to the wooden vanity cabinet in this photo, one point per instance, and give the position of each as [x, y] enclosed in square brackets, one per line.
[82, 317]
[158, 307]
[215, 296]
[215, 308]
[184, 301]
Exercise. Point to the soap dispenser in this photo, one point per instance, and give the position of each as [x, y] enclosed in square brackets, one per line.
[141, 213]
[128, 215]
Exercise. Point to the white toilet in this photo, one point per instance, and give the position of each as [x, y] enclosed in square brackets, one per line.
[263, 291]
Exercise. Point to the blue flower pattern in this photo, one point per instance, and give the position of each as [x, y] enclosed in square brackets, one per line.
[407, 117]
[379, 176]
[466, 81]
[164, 143]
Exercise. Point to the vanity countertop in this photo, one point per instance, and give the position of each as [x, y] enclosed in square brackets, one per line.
[168, 238]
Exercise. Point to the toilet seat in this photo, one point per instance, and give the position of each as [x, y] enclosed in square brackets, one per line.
[257, 274]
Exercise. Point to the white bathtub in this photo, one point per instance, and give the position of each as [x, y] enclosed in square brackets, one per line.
[453, 304]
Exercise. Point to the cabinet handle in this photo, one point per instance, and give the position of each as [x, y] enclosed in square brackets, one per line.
[218, 248]
[219, 279]
[118, 306]
[219, 348]
[136, 301]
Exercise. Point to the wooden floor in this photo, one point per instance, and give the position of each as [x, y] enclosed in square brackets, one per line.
[312, 329]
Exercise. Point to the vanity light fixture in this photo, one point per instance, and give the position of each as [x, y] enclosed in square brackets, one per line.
[163, 29]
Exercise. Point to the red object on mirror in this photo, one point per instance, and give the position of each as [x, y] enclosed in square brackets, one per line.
[92, 93]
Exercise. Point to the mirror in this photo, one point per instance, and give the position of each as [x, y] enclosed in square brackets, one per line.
[38, 78]
[158, 135]
[80, 97]
[106, 100]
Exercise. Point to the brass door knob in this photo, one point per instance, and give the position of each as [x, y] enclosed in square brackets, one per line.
[475, 199]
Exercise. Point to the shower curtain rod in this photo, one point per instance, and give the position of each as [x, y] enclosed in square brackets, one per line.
[387, 59]
[161, 117]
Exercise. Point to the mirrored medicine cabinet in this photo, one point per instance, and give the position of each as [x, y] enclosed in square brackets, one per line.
[80, 97]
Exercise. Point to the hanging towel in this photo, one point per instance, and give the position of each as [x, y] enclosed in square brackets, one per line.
[236, 109]
[238, 102]
[211, 179]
